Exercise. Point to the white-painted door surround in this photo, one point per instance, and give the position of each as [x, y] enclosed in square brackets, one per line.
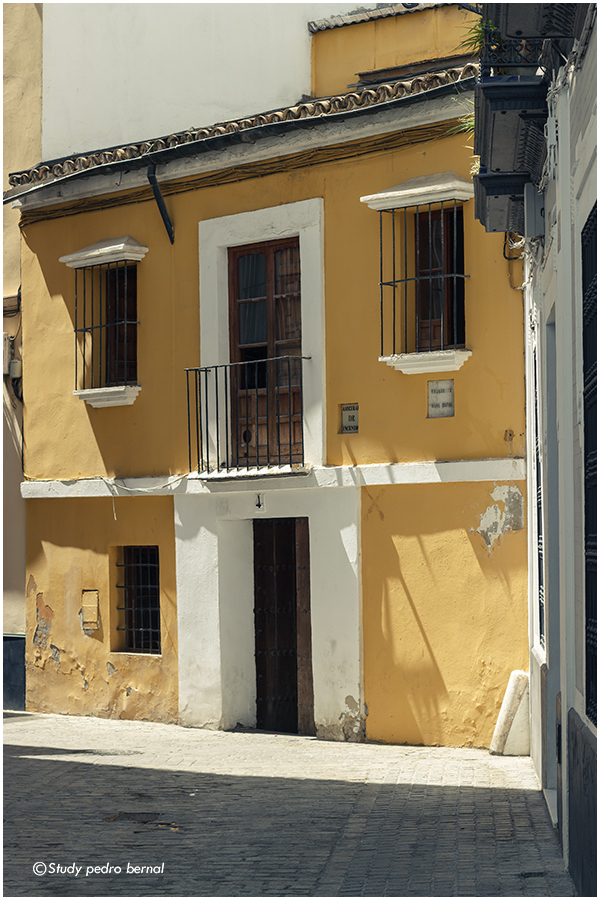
[215, 601]
[305, 221]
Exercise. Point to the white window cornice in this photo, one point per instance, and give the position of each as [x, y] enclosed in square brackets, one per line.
[110, 250]
[421, 191]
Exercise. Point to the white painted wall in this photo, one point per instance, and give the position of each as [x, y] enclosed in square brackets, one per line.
[553, 305]
[120, 72]
[215, 602]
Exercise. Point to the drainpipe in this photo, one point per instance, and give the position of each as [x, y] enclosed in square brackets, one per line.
[160, 202]
[517, 685]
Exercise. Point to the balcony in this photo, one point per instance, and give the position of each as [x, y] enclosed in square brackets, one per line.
[246, 418]
[506, 56]
[499, 200]
[555, 21]
[510, 114]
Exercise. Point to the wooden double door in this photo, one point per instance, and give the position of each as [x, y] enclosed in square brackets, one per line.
[266, 347]
[284, 685]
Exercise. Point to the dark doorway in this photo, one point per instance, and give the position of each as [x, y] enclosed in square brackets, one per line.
[284, 687]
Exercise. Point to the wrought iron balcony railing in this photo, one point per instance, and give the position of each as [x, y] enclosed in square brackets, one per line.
[509, 56]
[246, 415]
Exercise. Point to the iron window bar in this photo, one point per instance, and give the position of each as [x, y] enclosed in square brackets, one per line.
[141, 599]
[105, 325]
[422, 303]
[246, 415]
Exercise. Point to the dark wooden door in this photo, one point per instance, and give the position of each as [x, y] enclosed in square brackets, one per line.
[266, 344]
[284, 688]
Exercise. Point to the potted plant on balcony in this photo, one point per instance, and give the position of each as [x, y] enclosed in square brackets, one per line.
[498, 55]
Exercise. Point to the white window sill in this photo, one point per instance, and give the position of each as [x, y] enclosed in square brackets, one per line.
[253, 472]
[431, 361]
[121, 395]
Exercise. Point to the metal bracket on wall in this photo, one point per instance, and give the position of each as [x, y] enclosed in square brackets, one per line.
[160, 202]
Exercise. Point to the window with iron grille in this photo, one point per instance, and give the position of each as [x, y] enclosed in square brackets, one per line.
[422, 269]
[106, 320]
[106, 325]
[138, 586]
[422, 298]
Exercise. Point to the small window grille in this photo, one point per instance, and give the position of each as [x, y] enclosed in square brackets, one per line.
[139, 585]
[106, 325]
[422, 278]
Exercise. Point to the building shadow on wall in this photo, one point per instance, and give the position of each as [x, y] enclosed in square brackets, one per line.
[406, 666]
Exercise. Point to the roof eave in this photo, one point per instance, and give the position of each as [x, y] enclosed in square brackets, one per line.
[248, 135]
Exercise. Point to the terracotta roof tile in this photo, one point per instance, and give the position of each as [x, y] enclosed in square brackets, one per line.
[382, 11]
[318, 110]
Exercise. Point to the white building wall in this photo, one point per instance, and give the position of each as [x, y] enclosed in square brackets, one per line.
[215, 603]
[553, 299]
[123, 72]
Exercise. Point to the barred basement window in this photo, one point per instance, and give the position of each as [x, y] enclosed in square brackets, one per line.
[422, 273]
[106, 321]
[139, 610]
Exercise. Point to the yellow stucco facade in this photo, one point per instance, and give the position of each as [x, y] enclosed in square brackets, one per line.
[71, 547]
[489, 388]
[441, 568]
[340, 55]
[22, 139]
[443, 604]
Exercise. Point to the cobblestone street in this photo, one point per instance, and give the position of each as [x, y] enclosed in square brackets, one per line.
[254, 814]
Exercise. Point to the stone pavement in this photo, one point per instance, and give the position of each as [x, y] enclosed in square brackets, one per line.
[254, 814]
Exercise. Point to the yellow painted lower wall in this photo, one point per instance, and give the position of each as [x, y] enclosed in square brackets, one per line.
[444, 608]
[72, 547]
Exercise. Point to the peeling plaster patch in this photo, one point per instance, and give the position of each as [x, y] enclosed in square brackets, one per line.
[351, 704]
[351, 726]
[330, 733]
[129, 691]
[110, 668]
[44, 620]
[496, 521]
[55, 654]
